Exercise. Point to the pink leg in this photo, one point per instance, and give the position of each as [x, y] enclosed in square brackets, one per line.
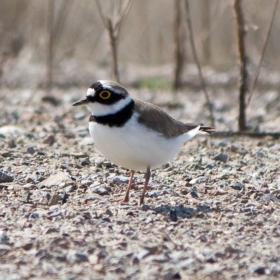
[148, 175]
[126, 197]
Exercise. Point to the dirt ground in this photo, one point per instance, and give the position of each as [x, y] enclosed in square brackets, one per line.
[211, 213]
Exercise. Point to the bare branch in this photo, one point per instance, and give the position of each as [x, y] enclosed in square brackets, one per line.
[103, 18]
[49, 76]
[208, 102]
[178, 49]
[262, 54]
[113, 30]
[243, 87]
[123, 14]
[114, 48]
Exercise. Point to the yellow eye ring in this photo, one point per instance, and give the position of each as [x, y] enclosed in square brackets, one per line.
[105, 94]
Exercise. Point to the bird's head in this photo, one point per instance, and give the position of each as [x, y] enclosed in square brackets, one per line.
[105, 97]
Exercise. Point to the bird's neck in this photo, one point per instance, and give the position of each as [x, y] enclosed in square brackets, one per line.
[117, 119]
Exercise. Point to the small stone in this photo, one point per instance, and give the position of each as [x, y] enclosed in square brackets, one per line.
[6, 154]
[203, 238]
[211, 165]
[107, 164]
[5, 178]
[120, 180]
[261, 270]
[99, 162]
[5, 248]
[50, 140]
[238, 150]
[30, 150]
[173, 215]
[194, 194]
[26, 197]
[12, 143]
[11, 130]
[237, 186]
[102, 189]
[260, 154]
[85, 162]
[50, 230]
[269, 197]
[54, 200]
[64, 197]
[197, 180]
[221, 157]
[51, 99]
[69, 189]
[30, 179]
[27, 246]
[3, 237]
[109, 212]
[29, 187]
[55, 180]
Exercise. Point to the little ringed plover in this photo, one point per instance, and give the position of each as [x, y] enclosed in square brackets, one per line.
[134, 134]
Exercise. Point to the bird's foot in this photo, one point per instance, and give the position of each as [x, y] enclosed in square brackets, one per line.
[121, 201]
[142, 187]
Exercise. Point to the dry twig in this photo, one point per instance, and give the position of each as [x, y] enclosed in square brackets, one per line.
[178, 43]
[262, 55]
[243, 87]
[208, 102]
[113, 29]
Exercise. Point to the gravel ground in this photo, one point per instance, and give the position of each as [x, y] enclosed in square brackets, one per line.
[212, 213]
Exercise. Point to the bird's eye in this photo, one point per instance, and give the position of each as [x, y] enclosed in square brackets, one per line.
[105, 94]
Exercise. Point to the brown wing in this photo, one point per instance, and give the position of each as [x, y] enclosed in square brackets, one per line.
[155, 118]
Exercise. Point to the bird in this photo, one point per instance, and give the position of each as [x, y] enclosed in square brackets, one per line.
[134, 134]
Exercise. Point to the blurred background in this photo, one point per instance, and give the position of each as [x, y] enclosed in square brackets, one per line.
[64, 43]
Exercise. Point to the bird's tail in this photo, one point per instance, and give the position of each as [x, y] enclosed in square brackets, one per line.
[202, 130]
[207, 129]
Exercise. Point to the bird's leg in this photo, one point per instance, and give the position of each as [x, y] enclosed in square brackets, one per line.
[126, 197]
[147, 178]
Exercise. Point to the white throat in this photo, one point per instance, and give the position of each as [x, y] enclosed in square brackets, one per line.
[98, 109]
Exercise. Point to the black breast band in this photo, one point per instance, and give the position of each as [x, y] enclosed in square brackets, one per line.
[117, 119]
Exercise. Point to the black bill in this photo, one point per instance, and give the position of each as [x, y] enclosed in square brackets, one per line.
[81, 102]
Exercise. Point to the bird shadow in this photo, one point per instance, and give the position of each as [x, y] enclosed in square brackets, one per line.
[180, 211]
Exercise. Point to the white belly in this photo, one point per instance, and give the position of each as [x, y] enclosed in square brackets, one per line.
[133, 146]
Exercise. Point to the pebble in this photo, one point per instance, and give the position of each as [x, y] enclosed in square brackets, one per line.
[237, 186]
[69, 189]
[26, 197]
[221, 157]
[55, 180]
[120, 180]
[3, 237]
[50, 140]
[7, 154]
[173, 215]
[55, 199]
[31, 150]
[12, 143]
[102, 189]
[5, 178]
[11, 130]
[197, 180]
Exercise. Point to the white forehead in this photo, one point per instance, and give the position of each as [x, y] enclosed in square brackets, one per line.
[90, 92]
